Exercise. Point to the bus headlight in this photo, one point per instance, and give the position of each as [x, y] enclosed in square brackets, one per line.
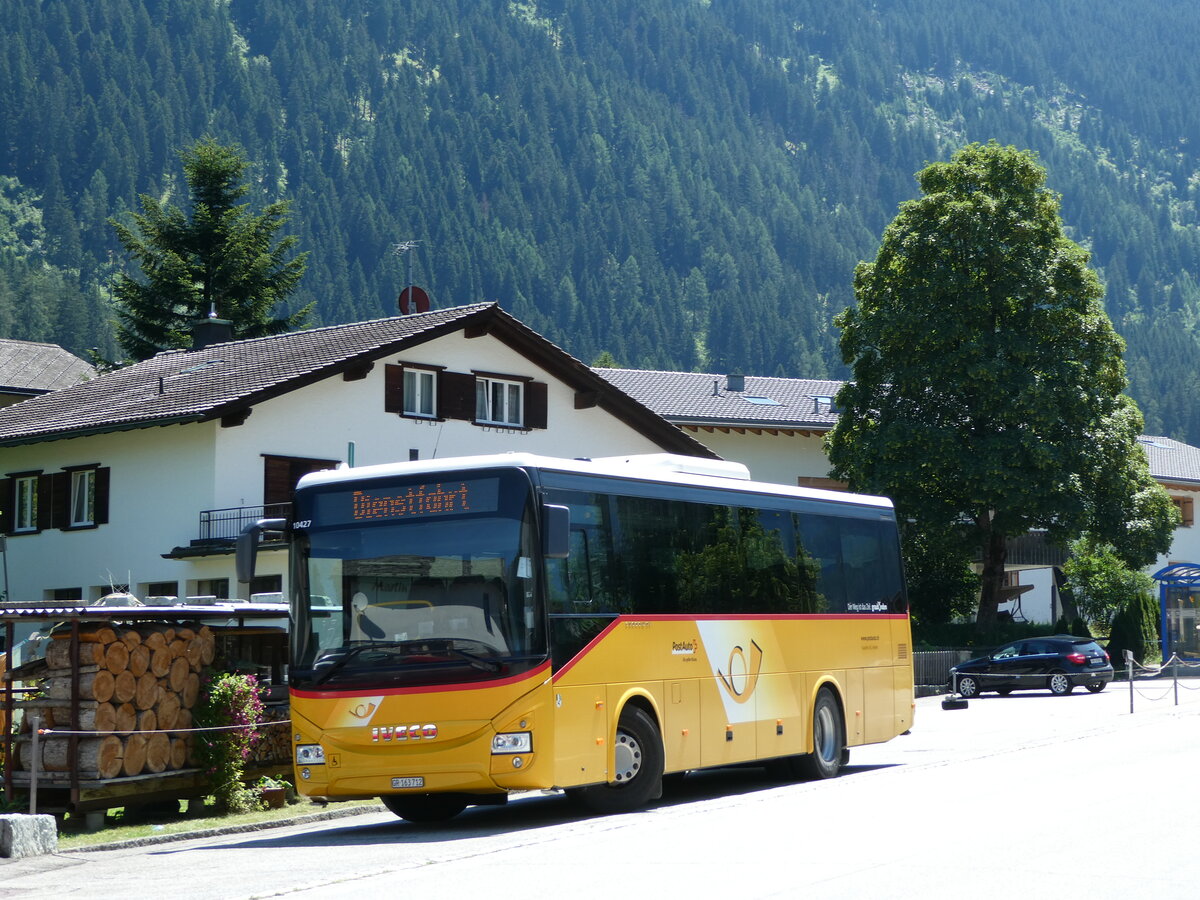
[513, 742]
[310, 755]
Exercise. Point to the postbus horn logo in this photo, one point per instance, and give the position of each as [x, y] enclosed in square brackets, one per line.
[742, 676]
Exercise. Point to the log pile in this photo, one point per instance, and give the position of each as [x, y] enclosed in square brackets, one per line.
[137, 688]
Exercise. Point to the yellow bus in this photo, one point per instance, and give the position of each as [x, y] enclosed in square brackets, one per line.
[465, 629]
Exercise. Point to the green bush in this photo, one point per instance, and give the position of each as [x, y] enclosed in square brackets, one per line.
[1135, 627]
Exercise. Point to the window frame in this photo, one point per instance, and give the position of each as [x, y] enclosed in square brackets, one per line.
[485, 400]
[82, 511]
[25, 504]
[424, 392]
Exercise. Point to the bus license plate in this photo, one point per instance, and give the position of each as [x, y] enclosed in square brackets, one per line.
[411, 782]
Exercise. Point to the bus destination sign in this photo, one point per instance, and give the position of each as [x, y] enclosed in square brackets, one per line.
[418, 501]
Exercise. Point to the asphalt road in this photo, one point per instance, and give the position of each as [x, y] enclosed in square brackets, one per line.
[1030, 796]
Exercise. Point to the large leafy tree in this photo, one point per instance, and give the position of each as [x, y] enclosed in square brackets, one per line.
[987, 379]
[217, 257]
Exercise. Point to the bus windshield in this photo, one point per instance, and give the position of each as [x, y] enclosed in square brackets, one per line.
[416, 582]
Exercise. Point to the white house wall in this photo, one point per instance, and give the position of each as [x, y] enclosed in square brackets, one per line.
[777, 458]
[159, 480]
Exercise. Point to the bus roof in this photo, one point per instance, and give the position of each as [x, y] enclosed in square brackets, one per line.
[663, 468]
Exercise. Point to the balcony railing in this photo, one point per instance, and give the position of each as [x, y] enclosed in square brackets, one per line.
[219, 525]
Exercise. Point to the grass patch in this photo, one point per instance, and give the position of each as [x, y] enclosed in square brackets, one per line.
[132, 824]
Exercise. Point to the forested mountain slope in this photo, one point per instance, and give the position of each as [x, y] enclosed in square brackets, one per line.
[683, 183]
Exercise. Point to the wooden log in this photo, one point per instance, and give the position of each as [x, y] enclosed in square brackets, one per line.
[92, 633]
[154, 640]
[194, 654]
[126, 718]
[178, 648]
[139, 660]
[97, 686]
[160, 662]
[178, 674]
[178, 753]
[98, 757]
[101, 717]
[191, 691]
[147, 720]
[147, 691]
[183, 721]
[124, 687]
[158, 753]
[185, 633]
[116, 657]
[135, 754]
[131, 638]
[209, 648]
[168, 711]
[58, 654]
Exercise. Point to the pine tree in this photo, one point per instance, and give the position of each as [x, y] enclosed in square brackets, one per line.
[218, 258]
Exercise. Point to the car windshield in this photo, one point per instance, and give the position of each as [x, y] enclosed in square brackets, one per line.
[441, 596]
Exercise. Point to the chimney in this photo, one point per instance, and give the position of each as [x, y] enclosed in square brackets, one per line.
[206, 332]
[735, 382]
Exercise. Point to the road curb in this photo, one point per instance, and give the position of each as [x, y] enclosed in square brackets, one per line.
[246, 828]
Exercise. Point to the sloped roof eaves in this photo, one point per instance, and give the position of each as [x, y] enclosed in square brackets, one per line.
[198, 385]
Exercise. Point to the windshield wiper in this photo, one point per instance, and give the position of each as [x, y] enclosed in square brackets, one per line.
[350, 653]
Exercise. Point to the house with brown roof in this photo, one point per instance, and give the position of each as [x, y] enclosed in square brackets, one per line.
[30, 368]
[776, 426]
[143, 477]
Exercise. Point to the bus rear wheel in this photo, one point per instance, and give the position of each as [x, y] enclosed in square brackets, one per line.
[829, 739]
[638, 773]
[425, 809]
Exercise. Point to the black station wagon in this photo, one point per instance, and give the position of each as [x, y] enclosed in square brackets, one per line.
[1057, 664]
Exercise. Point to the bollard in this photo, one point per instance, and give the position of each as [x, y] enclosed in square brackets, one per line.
[35, 758]
[1175, 676]
[1129, 671]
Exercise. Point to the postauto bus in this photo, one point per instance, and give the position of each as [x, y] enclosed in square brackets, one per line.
[465, 629]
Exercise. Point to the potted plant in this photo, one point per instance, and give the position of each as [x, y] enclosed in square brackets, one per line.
[272, 791]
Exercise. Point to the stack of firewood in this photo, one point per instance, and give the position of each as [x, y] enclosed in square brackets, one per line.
[137, 688]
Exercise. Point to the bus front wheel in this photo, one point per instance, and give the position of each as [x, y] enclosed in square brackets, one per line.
[424, 809]
[829, 739]
[638, 774]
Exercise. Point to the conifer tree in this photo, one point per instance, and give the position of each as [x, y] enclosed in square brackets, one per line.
[218, 257]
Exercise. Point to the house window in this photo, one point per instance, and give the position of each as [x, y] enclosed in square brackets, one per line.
[1184, 505]
[65, 595]
[25, 490]
[83, 498]
[419, 393]
[498, 402]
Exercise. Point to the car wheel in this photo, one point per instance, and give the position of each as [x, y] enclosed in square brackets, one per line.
[968, 686]
[829, 739]
[1060, 684]
[1096, 686]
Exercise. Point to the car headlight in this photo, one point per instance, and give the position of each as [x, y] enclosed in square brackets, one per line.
[513, 742]
[310, 755]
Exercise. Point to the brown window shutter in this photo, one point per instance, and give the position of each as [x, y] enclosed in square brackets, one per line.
[59, 495]
[8, 504]
[100, 510]
[535, 404]
[456, 395]
[393, 389]
[277, 487]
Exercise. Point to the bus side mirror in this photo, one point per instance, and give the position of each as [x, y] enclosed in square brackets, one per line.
[247, 546]
[556, 531]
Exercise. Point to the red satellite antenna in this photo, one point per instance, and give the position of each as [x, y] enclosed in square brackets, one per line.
[413, 300]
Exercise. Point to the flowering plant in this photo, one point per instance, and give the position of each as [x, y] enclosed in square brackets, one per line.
[233, 704]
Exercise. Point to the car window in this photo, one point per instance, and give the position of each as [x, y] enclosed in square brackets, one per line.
[1008, 651]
